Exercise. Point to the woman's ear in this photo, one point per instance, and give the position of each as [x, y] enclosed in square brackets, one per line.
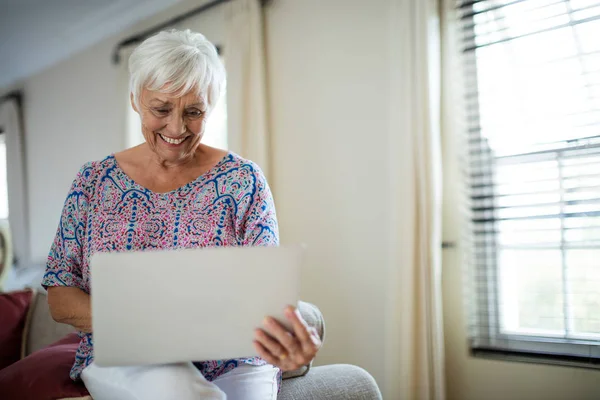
[133, 103]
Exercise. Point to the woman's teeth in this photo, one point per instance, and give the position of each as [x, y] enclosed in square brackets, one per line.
[172, 141]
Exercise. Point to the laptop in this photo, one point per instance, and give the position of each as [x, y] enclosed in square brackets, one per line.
[158, 307]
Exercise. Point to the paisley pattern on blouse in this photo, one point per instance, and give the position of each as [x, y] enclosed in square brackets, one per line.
[105, 211]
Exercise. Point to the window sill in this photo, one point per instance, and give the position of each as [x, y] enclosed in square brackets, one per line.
[536, 358]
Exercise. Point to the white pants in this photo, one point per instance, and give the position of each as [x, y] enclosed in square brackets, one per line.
[179, 381]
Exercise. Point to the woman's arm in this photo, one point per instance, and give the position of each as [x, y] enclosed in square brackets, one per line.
[259, 219]
[71, 305]
[64, 279]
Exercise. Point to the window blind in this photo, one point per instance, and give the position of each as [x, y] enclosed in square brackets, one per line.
[532, 99]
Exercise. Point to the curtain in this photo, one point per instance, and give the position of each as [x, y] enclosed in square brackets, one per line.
[414, 332]
[246, 82]
[10, 120]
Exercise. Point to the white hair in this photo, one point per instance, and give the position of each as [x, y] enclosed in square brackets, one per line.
[184, 60]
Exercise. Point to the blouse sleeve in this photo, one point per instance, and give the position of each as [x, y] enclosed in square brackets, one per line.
[260, 221]
[64, 265]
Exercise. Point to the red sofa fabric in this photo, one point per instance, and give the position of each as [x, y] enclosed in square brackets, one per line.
[43, 375]
[13, 315]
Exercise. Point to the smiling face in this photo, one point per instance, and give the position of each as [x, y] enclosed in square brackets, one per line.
[172, 124]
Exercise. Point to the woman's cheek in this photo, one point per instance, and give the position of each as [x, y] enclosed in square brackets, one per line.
[147, 133]
[198, 127]
[151, 123]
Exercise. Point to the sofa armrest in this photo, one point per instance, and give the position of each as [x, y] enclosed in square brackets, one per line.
[41, 329]
[332, 382]
[314, 318]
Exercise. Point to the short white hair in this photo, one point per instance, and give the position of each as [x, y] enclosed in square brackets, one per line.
[184, 60]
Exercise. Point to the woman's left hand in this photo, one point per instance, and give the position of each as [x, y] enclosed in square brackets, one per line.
[287, 350]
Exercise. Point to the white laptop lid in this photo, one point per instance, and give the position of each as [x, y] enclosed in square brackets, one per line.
[160, 307]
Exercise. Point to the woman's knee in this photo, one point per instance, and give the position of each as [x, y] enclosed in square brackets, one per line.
[250, 382]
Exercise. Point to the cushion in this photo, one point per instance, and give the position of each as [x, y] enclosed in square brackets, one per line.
[337, 381]
[13, 314]
[41, 329]
[44, 375]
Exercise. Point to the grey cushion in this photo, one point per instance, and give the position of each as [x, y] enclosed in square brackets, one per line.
[341, 381]
[42, 330]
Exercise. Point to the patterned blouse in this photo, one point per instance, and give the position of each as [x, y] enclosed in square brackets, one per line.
[105, 210]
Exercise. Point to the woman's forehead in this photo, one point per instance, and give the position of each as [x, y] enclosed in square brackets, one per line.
[191, 97]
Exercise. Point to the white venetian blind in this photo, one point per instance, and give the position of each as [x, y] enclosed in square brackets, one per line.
[532, 70]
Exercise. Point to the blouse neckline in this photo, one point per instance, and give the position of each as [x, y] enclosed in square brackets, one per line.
[199, 179]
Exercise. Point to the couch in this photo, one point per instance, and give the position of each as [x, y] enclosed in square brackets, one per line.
[338, 381]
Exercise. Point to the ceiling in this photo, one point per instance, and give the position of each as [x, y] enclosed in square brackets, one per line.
[35, 34]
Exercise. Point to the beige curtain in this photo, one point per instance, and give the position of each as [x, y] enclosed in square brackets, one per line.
[246, 81]
[10, 120]
[414, 332]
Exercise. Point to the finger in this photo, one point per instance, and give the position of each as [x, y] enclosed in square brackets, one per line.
[282, 335]
[301, 329]
[316, 338]
[285, 338]
[272, 345]
[314, 335]
[298, 323]
[265, 354]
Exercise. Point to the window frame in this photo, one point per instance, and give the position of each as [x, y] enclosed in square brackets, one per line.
[487, 339]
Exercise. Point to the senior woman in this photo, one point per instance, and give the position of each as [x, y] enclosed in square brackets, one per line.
[171, 192]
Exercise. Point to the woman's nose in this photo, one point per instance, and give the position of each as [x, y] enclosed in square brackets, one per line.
[176, 127]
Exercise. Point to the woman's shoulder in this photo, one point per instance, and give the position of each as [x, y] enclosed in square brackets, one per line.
[242, 166]
[91, 168]
[91, 171]
[244, 175]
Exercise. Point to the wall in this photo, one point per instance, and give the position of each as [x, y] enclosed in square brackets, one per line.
[328, 79]
[70, 118]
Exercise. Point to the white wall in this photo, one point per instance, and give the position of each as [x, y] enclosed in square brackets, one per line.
[70, 118]
[328, 80]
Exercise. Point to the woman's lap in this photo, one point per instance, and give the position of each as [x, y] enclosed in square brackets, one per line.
[179, 381]
[250, 382]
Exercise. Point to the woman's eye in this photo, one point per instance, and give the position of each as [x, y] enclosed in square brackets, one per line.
[195, 113]
[162, 111]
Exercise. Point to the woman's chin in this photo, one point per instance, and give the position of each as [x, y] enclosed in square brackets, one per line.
[172, 153]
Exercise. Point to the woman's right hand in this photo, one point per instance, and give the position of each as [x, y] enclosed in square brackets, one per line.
[72, 306]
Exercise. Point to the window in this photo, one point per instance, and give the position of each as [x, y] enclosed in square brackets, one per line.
[3, 179]
[532, 97]
[215, 133]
